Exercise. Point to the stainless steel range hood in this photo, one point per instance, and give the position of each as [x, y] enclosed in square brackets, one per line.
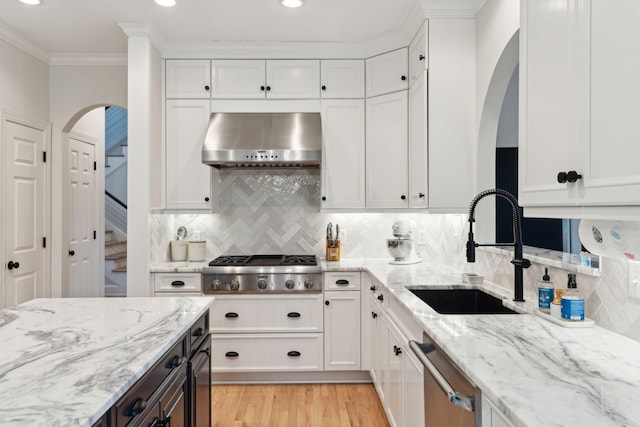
[263, 139]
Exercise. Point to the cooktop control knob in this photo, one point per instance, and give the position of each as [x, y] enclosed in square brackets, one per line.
[234, 285]
[216, 284]
[308, 284]
[289, 284]
[262, 284]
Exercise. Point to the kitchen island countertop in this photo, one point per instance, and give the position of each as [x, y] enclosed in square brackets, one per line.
[65, 361]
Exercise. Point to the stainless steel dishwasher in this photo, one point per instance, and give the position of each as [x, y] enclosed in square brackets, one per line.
[450, 398]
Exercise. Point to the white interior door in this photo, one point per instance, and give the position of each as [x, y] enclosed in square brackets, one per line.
[24, 212]
[83, 248]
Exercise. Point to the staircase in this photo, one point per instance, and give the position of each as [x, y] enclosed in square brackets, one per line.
[115, 268]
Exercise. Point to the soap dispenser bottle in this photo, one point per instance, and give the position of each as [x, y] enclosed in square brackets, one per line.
[572, 305]
[545, 292]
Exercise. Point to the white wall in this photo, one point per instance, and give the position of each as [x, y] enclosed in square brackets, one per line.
[75, 90]
[24, 83]
[508, 123]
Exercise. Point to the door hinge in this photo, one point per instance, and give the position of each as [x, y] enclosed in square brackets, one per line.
[44, 157]
[95, 166]
[44, 242]
[95, 234]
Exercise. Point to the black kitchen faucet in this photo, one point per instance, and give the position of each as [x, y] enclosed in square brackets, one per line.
[518, 261]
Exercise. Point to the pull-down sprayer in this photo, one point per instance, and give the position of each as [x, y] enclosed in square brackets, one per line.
[518, 261]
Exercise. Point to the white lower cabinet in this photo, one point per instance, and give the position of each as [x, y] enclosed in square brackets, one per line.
[342, 331]
[176, 284]
[492, 417]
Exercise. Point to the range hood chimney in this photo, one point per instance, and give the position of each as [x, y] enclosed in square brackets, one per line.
[263, 140]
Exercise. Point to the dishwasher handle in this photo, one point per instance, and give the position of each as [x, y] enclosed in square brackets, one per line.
[457, 399]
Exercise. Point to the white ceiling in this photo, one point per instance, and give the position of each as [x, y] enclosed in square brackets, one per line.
[91, 26]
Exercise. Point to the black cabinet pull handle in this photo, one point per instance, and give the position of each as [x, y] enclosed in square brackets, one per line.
[293, 354]
[11, 265]
[342, 282]
[174, 362]
[403, 78]
[372, 288]
[327, 303]
[421, 195]
[136, 406]
[421, 57]
[206, 87]
[374, 315]
[323, 87]
[403, 197]
[293, 314]
[571, 176]
[198, 332]
[177, 283]
[231, 354]
[262, 88]
[231, 315]
[381, 297]
[72, 253]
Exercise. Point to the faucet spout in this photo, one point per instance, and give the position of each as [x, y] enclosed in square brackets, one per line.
[519, 262]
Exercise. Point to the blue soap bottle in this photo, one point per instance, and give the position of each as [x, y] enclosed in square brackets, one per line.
[545, 292]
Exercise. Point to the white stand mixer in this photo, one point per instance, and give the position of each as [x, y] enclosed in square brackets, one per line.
[401, 248]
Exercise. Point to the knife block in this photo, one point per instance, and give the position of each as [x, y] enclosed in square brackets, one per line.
[333, 250]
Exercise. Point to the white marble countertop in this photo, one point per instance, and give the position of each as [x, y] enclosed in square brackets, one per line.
[179, 266]
[65, 361]
[537, 373]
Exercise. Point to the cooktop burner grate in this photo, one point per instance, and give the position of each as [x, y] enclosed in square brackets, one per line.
[263, 260]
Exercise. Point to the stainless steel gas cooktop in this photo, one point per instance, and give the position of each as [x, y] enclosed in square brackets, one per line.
[262, 274]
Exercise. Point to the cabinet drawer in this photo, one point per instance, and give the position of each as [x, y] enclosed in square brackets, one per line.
[266, 352]
[177, 282]
[267, 313]
[199, 332]
[349, 281]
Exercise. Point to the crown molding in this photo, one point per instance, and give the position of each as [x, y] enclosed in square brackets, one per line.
[95, 59]
[18, 40]
[142, 29]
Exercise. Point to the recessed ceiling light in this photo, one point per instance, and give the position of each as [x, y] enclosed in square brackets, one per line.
[31, 2]
[166, 3]
[292, 3]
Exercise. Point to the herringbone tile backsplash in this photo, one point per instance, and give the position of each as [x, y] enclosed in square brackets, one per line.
[278, 211]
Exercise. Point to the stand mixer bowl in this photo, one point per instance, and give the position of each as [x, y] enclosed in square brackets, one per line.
[400, 248]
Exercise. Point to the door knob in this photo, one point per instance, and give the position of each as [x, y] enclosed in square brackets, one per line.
[11, 265]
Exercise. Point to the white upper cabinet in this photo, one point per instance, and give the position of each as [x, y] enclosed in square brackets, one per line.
[188, 78]
[293, 79]
[579, 106]
[342, 78]
[418, 54]
[188, 180]
[386, 151]
[387, 73]
[238, 79]
[418, 158]
[271, 79]
[343, 171]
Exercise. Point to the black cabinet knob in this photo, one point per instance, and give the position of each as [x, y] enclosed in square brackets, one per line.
[403, 78]
[323, 87]
[268, 88]
[381, 297]
[206, 199]
[206, 87]
[262, 88]
[324, 198]
[421, 57]
[397, 350]
[421, 195]
[372, 288]
[72, 253]
[571, 177]
[327, 303]
[403, 197]
[11, 265]
[374, 314]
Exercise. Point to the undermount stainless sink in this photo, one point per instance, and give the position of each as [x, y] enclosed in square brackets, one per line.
[461, 301]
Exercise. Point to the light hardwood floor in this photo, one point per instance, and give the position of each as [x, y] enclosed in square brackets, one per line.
[297, 405]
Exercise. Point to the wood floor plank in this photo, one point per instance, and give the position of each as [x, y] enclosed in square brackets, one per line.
[296, 405]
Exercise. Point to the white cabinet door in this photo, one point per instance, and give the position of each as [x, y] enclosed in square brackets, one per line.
[395, 355]
[188, 180]
[293, 79]
[342, 331]
[418, 54]
[418, 157]
[413, 390]
[342, 78]
[386, 151]
[188, 78]
[343, 170]
[388, 72]
[238, 79]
